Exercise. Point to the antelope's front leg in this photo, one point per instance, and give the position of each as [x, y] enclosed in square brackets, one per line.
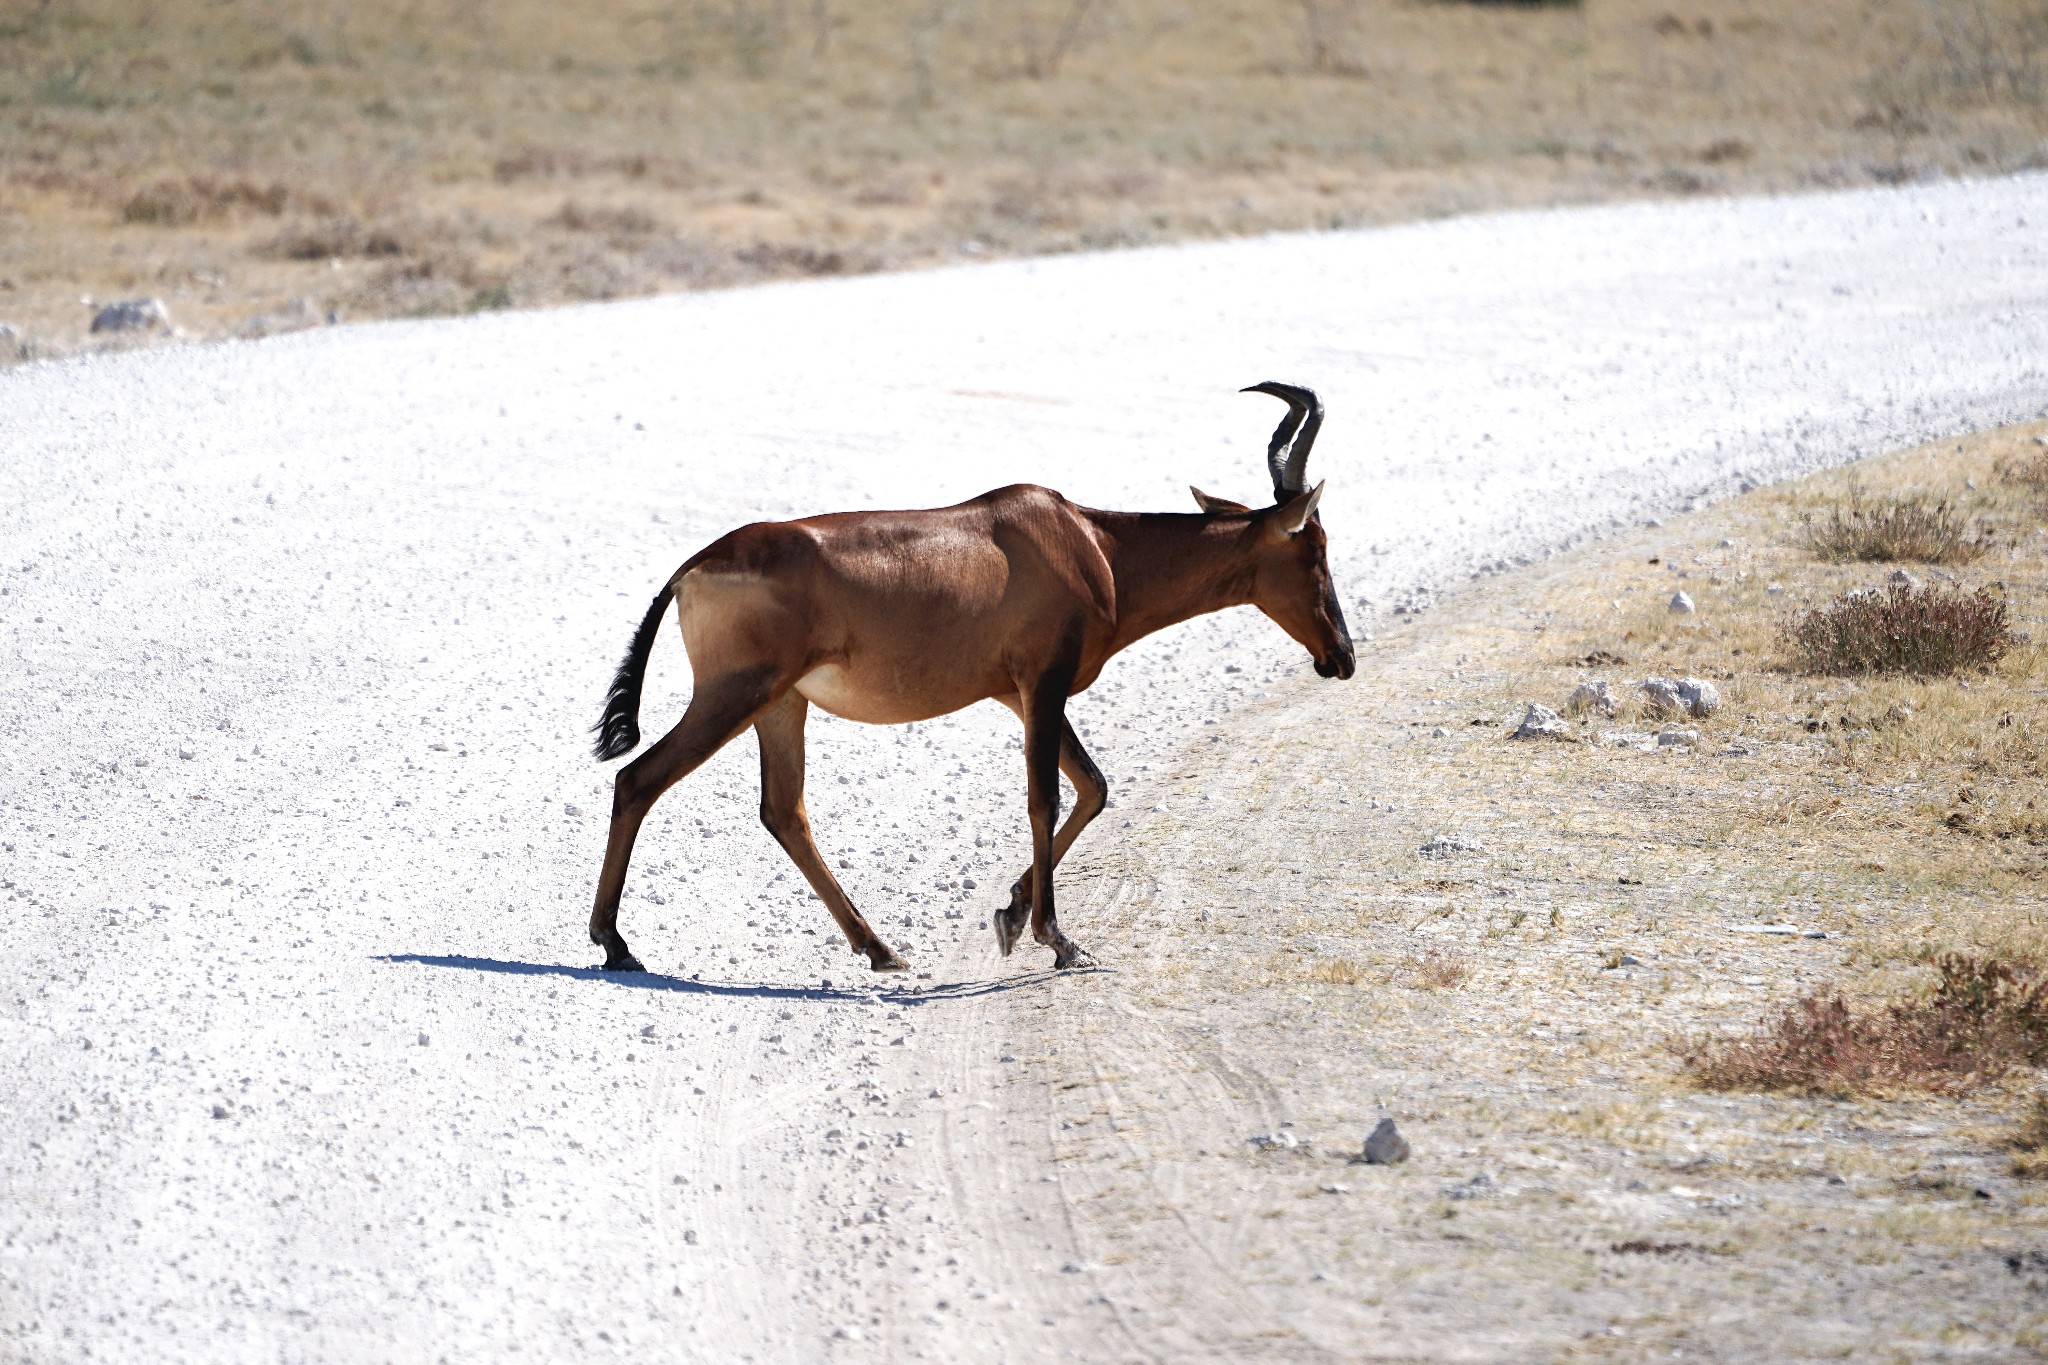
[1045, 726]
[1091, 795]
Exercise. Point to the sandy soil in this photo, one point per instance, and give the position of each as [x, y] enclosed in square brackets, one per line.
[303, 636]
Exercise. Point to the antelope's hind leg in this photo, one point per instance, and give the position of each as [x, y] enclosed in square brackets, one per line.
[781, 731]
[716, 714]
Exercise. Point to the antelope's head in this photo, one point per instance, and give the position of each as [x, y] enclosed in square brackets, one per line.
[1291, 563]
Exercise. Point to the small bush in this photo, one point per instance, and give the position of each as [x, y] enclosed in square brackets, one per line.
[340, 236]
[1918, 532]
[619, 222]
[1439, 971]
[1926, 632]
[178, 203]
[2026, 472]
[1984, 1018]
[1337, 971]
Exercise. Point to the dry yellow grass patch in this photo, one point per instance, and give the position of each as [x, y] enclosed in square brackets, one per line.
[404, 156]
[2029, 1141]
[1938, 780]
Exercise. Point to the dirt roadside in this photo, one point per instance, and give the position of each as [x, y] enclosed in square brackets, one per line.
[1285, 961]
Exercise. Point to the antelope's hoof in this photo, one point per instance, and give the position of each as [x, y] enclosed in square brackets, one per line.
[623, 961]
[882, 958]
[1008, 931]
[1067, 953]
[1010, 921]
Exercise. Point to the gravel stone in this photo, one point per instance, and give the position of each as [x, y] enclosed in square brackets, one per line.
[1593, 698]
[1699, 697]
[1542, 723]
[1386, 1146]
[1694, 697]
[133, 315]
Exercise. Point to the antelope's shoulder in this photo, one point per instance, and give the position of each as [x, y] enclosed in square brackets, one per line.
[1023, 500]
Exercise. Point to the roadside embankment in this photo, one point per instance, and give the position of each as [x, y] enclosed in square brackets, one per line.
[1369, 900]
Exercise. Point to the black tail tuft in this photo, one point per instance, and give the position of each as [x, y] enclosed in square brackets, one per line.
[619, 731]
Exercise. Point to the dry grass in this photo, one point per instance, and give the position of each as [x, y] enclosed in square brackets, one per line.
[1929, 632]
[2028, 470]
[1337, 971]
[1438, 969]
[2029, 1141]
[1982, 1019]
[539, 153]
[1889, 532]
[1941, 777]
[1904, 813]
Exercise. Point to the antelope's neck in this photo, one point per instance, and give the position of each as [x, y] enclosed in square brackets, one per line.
[1170, 567]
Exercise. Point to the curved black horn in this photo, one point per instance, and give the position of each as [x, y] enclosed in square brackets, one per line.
[1287, 452]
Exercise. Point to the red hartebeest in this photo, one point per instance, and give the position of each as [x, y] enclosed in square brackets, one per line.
[888, 617]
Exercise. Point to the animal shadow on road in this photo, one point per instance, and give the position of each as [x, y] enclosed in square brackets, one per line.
[907, 994]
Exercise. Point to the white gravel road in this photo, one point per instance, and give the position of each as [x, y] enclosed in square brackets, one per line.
[299, 642]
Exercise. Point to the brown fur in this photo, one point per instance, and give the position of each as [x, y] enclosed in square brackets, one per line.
[1018, 595]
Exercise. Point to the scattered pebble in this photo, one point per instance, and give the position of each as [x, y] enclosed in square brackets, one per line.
[1439, 733]
[1680, 696]
[1445, 845]
[132, 315]
[1593, 698]
[1274, 1142]
[1670, 739]
[294, 316]
[1681, 603]
[1386, 1146]
[1542, 723]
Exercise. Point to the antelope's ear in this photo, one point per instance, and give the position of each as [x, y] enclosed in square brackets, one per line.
[1209, 504]
[1292, 515]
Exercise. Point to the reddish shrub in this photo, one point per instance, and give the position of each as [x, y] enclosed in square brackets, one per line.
[1984, 1018]
[1927, 632]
